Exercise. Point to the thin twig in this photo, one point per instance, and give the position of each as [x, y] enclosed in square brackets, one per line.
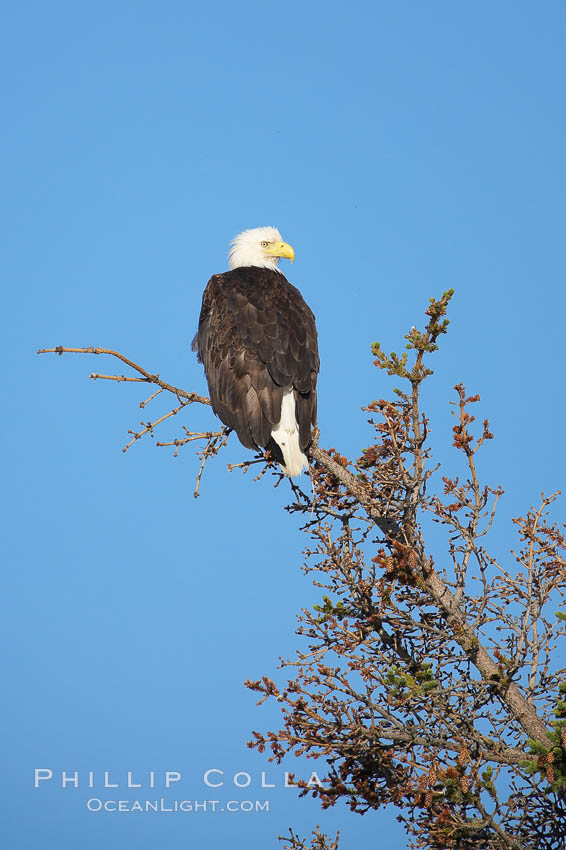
[147, 376]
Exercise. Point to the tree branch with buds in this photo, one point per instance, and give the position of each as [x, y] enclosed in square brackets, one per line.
[428, 676]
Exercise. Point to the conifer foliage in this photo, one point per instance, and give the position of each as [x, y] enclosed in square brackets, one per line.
[428, 676]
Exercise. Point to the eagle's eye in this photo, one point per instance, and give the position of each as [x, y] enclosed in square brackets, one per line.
[264, 244]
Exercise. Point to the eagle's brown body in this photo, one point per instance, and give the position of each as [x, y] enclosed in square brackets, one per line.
[256, 338]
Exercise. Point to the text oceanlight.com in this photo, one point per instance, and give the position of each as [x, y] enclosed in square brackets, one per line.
[95, 804]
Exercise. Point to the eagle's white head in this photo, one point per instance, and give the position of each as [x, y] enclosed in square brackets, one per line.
[260, 246]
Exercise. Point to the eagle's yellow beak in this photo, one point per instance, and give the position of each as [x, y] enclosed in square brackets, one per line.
[280, 249]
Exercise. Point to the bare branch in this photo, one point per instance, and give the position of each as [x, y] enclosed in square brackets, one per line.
[147, 376]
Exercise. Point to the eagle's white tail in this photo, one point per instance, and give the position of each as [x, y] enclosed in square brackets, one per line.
[286, 435]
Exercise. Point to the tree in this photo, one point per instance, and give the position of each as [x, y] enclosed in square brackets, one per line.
[429, 687]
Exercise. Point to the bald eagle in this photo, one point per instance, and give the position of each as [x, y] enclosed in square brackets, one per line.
[257, 341]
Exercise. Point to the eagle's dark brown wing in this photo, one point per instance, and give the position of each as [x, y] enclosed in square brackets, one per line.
[256, 337]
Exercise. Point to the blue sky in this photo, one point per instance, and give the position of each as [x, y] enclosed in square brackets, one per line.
[402, 149]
